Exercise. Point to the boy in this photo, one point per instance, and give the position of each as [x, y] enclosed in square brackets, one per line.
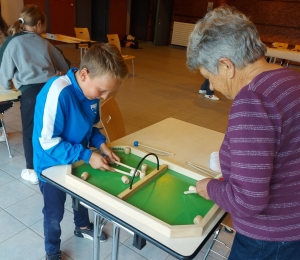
[66, 110]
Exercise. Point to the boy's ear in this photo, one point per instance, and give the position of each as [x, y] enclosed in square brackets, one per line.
[83, 74]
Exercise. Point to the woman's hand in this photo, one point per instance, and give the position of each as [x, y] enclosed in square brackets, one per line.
[201, 188]
[110, 155]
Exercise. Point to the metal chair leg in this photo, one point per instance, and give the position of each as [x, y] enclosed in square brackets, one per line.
[6, 140]
[215, 239]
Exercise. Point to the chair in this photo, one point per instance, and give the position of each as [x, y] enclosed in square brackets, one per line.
[82, 33]
[219, 242]
[4, 106]
[279, 45]
[296, 48]
[114, 39]
[112, 120]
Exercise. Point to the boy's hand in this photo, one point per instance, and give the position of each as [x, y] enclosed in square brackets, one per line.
[110, 155]
[99, 162]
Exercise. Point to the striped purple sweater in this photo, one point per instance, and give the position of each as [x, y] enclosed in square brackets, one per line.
[260, 159]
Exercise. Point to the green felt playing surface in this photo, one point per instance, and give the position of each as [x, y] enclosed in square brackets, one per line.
[163, 197]
[111, 181]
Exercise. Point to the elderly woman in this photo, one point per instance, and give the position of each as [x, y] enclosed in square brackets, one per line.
[260, 154]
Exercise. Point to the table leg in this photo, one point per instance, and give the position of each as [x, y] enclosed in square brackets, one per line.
[99, 223]
[132, 61]
[116, 239]
[115, 246]
[97, 220]
[81, 55]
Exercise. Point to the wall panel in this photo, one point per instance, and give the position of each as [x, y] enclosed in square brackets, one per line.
[276, 20]
[117, 17]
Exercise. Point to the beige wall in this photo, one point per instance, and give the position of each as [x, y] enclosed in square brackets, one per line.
[10, 10]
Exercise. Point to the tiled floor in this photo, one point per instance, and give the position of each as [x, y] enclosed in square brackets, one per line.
[162, 88]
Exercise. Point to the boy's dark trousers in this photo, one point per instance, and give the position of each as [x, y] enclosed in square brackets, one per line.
[54, 201]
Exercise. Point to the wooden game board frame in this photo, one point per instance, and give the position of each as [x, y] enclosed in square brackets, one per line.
[122, 207]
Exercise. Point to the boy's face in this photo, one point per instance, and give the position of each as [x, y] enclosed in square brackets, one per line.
[98, 87]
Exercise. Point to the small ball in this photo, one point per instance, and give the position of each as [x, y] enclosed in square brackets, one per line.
[144, 167]
[127, 150]
[84, 175]
[192, 188]
[142, 174]
[197, 219]
[125, 179]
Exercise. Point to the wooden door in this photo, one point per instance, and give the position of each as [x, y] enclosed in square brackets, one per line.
[117, 17]
[62, 17]
[163, 22]
[139, 19]
[100, 20]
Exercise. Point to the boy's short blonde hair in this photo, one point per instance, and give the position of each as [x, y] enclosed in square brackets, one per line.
[104, 59]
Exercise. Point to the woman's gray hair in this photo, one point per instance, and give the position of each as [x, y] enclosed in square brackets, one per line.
[224, 33]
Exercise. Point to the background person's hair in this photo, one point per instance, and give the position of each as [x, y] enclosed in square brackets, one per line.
[3, 30]
[224, 33]
[102, 59]
[31, 14]
[3, 26]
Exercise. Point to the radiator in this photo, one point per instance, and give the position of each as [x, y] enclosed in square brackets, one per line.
[181, 33]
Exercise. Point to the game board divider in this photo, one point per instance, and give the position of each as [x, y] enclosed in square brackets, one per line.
[140, 184]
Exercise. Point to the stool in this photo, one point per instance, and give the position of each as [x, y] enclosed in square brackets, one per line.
[4, 106]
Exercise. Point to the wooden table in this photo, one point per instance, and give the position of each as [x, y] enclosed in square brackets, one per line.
[189, 143]
[66, 39]
[7, 97]
[69, 39]
[9, 94]
[283, 54]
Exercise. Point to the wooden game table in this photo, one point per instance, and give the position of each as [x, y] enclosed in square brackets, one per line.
[189, 143]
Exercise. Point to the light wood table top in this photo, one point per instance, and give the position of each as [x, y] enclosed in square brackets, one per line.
[65, 38]
[10, 94]
[283, 54]
[189, 143]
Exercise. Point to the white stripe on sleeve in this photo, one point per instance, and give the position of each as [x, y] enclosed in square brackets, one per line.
[47, 140]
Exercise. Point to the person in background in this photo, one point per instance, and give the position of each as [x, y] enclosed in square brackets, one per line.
[66, 110]
[259, 156]
[3, 35]
[205, 89]
[30, 61]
